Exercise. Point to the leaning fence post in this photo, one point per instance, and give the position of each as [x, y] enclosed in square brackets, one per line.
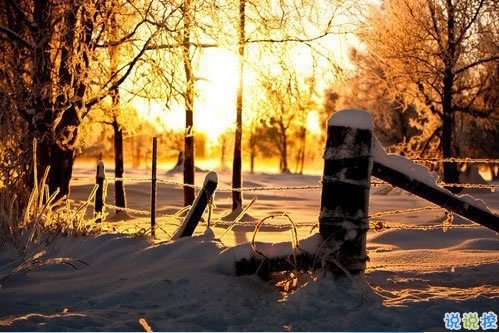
[343, 220]
[199, 205]
[99, 181]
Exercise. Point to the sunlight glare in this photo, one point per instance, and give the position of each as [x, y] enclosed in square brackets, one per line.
[313, 122]
[217, 86]
[215, 102]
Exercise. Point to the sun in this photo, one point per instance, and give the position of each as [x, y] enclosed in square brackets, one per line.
[217, 82]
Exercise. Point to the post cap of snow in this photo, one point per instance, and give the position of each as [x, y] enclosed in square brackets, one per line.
[352, 117]
[211, 177]
[100, 169]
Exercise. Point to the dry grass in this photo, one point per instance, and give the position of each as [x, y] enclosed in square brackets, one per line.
[30, 225]
[41, 222]
[43, 219]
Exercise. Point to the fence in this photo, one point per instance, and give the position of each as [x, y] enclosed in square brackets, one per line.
[376, 183]
[344, 220]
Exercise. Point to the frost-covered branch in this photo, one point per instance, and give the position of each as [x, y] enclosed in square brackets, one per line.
[14, 36]
[476, 63]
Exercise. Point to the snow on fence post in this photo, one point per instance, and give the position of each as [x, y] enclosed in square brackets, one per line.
[344, 218]
[199, 205]
[100, 175]
[153, 185]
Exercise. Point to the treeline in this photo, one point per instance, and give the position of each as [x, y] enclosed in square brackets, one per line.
[427, 70]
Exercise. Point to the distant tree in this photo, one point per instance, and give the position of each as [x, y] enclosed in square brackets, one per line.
[171, 63]
[287, 99]
[437, 55]
[248, 27]
[119, 164]
[395, 121]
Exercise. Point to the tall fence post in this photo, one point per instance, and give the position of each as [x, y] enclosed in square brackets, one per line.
[343, 219]
[100, 175]
[153, 185]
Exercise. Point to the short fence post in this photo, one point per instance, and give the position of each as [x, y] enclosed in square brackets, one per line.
[343, 220]
[99, 181]
[153, 185]
[199, 205]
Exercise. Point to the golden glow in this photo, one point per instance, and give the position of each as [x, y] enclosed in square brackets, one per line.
[313, 122]
[217, 84]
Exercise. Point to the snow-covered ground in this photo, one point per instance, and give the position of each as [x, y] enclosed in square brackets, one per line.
[421, 267]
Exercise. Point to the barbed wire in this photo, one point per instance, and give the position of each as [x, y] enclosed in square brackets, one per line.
[375, 182]
[457, 160]
[128, 210]
[405, 211]
[377, 226]
[491, 187]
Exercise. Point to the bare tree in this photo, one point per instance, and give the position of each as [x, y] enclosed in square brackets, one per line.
[172, 62]
[49, 76]
[287, 99]
[435, 53]
[237, 196]
[266, 25]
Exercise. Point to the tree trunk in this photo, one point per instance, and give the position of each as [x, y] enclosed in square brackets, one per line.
[300, 156]
[189, 192]
[119, 188]
[55, 150]
[451, 171]
[60, 161]
[252, 153]
[237, 197]
[284, 150]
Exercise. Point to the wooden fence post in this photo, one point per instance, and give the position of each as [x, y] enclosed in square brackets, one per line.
[153, 185]
[439, 196]
[100, 175]
[343, 219]
[194, 215]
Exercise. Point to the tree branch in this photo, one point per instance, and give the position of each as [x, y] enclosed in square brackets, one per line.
[118, 82]
[476, 63]
[122, 39]
[178, 45]
[14, 36]
[32, 25]
[473, 111]
[428, 100]
[438, 33]
[290, 39]
[470, 23]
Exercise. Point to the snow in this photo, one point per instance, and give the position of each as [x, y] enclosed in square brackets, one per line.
[407, 166]
[417, 272]
[211, 177]
[352, 117]
[101, 173]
